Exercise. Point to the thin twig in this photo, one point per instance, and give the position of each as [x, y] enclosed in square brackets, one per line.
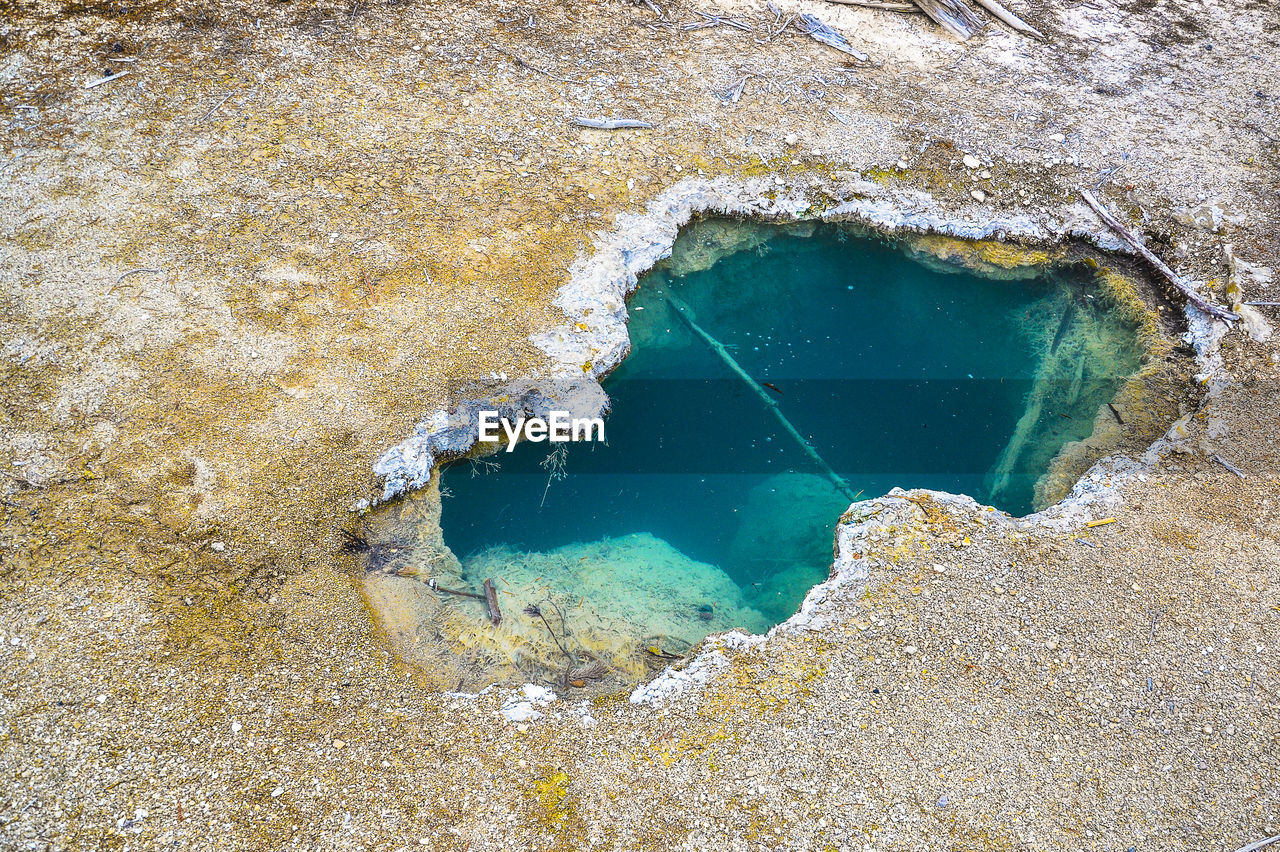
[93, 84]
[215, 107]
[1261, 844]
[610, 123]
[1229, 466]
[138, 271]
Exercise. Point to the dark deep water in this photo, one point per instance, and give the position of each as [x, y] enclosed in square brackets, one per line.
[896, 372]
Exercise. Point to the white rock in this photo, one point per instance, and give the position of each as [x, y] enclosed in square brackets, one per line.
[792, 139]
[277, 792]
[218, 546]
[909, 650]
[235, 727]
[779, 181]
[1057, 137]
[971, 161]
[902, 164]
[984, 174]
[979, 195]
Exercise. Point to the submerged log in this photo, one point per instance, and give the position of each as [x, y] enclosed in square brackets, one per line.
[491, 601]
[682, 311]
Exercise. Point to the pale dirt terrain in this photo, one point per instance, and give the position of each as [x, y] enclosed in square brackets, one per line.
[352, 209]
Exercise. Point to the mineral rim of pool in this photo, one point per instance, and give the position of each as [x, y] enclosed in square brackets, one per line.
[777, 374]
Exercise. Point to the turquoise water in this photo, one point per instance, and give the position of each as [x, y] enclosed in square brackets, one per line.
[895, 371]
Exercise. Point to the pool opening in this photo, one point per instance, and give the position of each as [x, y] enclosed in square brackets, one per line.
[777, 374]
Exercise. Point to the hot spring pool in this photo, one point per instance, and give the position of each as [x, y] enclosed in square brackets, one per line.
[702, 511]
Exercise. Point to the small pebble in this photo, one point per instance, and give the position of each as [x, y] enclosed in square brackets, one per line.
[792, 139]
[984, 174]
[909, 650]
[971, 161]
[277, 792]
[1057, 137]
[979, 195]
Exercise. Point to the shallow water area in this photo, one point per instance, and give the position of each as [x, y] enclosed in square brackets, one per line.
[778, 373]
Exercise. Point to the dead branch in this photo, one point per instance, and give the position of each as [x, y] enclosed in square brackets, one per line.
[879, 4]
[610, 123]
[953, 16]
[1229, 466]
[138, 271]
[815, 29]
[93, 84]
[1159, 265]
[1009, 18]
[1261, 844]
[214, 108]
[462, 593]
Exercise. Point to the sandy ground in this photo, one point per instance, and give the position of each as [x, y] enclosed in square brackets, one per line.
[234, 276]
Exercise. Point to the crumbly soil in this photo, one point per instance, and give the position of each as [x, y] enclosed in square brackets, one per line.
[234, 276]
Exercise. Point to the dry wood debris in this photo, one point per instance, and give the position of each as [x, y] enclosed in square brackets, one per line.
[955, 16]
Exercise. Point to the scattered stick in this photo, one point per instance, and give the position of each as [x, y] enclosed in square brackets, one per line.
[1115, 412]
[1261, 844]
[1262, 304]
[818, 31]
[462, 593]
[1009, 18]
[1229, 466]
[1085, 541]
[93, 84]
[953, 16]
[138, 271]
[610, 123]
[519, 61]
[878, 4]
[715, 21]
[1273, 140]
[215, 107]
[491, 601]
[1159, 265]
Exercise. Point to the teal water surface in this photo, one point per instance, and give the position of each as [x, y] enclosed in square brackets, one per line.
[895, 372]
